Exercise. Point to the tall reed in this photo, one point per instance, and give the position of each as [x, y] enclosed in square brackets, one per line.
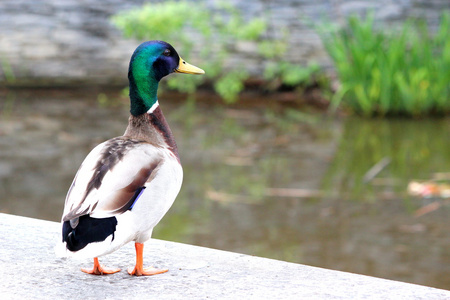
[389, 72]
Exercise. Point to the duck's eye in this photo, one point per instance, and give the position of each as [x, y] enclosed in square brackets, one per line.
[166, 52]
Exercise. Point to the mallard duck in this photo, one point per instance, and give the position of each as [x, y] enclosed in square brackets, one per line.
[125, 185]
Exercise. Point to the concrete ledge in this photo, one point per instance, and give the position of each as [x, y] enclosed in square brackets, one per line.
[30, 270]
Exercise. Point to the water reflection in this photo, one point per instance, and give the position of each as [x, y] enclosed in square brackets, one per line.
[381, 234]
[415, 149]
[269, 182]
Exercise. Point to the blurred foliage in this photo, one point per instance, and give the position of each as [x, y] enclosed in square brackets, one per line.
[7, 70]
[415, 154]
[290, 74]
[221, 29]
[391, 72]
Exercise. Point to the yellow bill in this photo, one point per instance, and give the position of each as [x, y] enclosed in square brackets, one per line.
[184, 67]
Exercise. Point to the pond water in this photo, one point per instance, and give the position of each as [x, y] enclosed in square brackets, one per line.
[259, 178]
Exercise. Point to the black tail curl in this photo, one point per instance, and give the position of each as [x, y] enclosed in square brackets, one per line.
[88, 230]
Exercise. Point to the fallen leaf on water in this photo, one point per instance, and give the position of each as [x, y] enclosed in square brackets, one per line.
[415, 228]
[230, 198]
[429, 189]
[427, 209]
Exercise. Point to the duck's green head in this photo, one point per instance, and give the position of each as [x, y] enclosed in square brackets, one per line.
[150, 62]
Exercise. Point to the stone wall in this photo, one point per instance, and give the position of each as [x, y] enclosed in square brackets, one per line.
[48, 42]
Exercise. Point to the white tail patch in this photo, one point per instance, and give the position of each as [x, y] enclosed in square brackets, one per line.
[91, 250]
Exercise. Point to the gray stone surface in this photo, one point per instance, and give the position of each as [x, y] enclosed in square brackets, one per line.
[30, 270]
[72, 41]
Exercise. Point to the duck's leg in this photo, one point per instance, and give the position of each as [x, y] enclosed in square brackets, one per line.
[139, 269]
[98, 269]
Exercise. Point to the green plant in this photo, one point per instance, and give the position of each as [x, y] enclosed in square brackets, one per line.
[290, 74]
[396, 72]
[7, 70]
[220, 31]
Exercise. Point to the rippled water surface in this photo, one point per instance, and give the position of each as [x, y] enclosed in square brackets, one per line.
[259, 178]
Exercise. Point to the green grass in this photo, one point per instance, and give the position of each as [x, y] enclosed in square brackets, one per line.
[388, 72]
[7, 70]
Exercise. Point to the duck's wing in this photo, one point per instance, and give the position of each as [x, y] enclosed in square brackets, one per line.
[110, 178]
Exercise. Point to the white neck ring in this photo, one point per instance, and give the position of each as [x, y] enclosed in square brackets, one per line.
[154, 106]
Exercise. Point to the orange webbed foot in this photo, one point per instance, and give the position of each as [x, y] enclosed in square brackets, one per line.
[139, 270]
[98, 269]
[136, 271]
